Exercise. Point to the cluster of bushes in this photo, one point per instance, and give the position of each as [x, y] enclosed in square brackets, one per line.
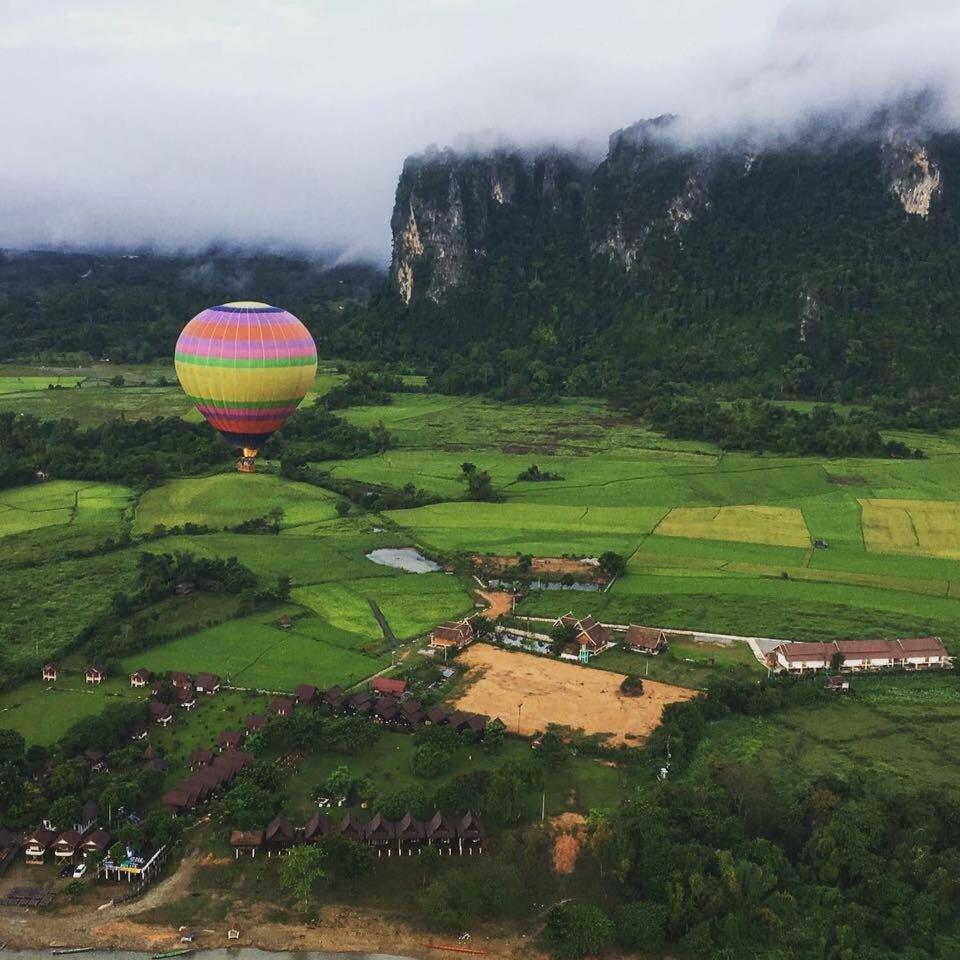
[759, 425]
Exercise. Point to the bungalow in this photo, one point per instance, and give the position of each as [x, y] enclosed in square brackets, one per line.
[139, 732]
[477, 724]
[333, 699]
[230, 739]
[410, 833]
[38, 843]
[411, 713]
[458, 720]
[207, 683]
[177, 800]
[437, 716]
[140, 678]
[318, 827]
[590, 637]
[186, 698]
[282, 706]
[644, 639]
[95, 674]
[184, 588]
[800, 657]
[246, 841]
[924, 652]
[470, 833]
[439, 830]
[89, 814]
[279, 835]
[455, 634]
[50, 671]
[381, 832]
[306, 693]
[96, 843]
[181, 680]
[161, 713]
[237, 759]
[66, 844]
[256, 723]
[201, 757]
[387, 710]
[351, 828]
[389, 686]
[361, 703]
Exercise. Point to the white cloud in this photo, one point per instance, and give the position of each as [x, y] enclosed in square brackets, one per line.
[130, 122]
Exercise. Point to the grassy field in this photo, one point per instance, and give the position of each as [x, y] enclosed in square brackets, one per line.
[44, 607]
[227, 499]
[62, 502]
[43, 712]
[412, 604]
[900, 731]
[254, 652]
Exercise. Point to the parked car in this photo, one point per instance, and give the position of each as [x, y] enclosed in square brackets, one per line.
[80, 870]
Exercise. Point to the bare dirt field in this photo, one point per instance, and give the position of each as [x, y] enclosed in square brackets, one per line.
[567, 694]
[544, 566]
[499, 603]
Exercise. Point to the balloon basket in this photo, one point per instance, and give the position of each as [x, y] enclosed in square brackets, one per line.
[246, 465]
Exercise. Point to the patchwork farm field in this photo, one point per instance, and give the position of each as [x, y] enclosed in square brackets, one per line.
[713, 541]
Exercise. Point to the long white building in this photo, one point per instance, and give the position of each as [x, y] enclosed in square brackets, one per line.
[917, 653]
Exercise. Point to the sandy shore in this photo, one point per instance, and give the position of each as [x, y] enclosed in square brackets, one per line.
[337, 929]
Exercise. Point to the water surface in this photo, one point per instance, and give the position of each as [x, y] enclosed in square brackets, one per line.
[403, 558]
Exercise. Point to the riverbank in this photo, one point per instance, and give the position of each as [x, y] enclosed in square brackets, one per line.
[337, 929]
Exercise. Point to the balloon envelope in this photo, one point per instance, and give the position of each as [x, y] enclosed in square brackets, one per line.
[246, 366]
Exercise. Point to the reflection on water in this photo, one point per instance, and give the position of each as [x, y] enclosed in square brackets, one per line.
[403, 558]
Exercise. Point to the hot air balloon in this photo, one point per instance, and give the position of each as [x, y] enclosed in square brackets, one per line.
[246, 366]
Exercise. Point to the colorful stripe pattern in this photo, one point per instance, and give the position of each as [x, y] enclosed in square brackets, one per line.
[246, 366]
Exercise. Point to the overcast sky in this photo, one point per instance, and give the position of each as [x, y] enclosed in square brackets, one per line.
[285, 122]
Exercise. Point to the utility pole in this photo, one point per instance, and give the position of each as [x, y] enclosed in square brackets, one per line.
[519, 708]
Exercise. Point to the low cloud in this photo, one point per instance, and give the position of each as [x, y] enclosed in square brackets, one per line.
[284, 123]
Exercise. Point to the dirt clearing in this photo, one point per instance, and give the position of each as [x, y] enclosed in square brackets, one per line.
[567, 694]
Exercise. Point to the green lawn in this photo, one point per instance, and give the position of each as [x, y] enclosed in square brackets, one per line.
[43, 712]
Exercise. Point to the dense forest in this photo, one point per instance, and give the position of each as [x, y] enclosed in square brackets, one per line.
[131, 308]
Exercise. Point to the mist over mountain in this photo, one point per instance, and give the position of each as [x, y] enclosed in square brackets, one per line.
[822, 264]
[283, 125]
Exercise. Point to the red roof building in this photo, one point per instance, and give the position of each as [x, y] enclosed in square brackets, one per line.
[389, 685]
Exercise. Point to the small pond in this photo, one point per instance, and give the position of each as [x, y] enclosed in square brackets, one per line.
[403, 558]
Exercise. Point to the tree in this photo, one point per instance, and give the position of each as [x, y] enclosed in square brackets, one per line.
[561, 635]
[612, 564]
[11, 746]
[303, 868]
[493, 735]
[64, 813]
[632, 686]
[641, 926]
[339, 782]
[577, 929]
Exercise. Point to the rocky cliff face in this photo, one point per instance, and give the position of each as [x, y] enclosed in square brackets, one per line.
[647, 194]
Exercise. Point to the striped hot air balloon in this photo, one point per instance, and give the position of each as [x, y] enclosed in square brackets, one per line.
[246, 366]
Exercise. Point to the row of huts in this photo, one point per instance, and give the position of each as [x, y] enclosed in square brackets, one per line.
[462, 834]
[75, 842]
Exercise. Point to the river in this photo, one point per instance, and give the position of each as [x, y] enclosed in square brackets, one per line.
[238, 953]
